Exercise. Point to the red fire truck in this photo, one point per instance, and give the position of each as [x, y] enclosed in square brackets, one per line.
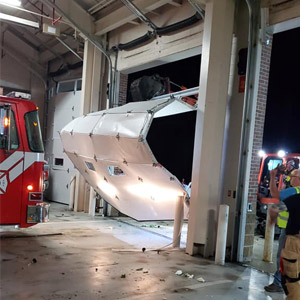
[23, 171]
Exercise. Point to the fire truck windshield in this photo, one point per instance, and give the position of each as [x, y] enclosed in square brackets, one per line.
[33, 130]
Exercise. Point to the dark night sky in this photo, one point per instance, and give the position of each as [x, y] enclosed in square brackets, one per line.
[283, 105]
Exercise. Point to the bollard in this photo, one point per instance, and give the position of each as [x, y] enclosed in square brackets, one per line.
[178, 221]
[92, 202]
[269, 239]
[222, 234]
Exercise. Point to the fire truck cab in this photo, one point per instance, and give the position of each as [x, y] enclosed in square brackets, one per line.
[23, 170]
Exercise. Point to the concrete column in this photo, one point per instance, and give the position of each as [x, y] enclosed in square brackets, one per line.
[214, 77]
[92, 99]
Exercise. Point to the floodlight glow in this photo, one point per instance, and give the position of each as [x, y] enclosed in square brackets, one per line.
[281, 153]
[11, 2]
[261, 153]
[154, 192]
[107, 188]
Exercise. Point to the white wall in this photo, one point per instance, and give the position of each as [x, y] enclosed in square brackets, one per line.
[63, 108]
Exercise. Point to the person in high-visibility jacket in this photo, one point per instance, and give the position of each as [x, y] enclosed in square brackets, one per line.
[282, 220]
[290, 254]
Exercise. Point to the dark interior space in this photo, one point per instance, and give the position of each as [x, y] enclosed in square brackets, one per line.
[172, 138]
[281, 129]
[172, 141]
[185, 72]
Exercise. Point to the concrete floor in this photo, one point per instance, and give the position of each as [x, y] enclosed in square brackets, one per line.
[258, 250]
[75, 256]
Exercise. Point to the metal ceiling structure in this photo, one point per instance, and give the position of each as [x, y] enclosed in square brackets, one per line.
[95, 18]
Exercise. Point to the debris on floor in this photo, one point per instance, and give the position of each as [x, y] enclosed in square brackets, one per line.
[123, 276]
[151, 226]
[189, 276]
[179, 272]
[200, 279]
[109, 227]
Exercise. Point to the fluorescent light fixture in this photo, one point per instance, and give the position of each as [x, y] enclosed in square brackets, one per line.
[261, 153]
[21, 21]
[281, 153]
[11, 2]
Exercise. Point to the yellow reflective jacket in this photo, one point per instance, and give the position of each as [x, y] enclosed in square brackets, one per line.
[283, 216]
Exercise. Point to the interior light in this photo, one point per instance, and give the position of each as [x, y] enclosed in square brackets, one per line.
[281, 153]
[11, 2]
[6, 122]
[29, 187]
[261, 153]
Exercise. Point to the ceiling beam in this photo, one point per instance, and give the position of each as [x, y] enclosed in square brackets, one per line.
[72, 11]
[123, 15]
[34, 67]
[176, 3]
[21, 37]
[42, 43]
[284, 11]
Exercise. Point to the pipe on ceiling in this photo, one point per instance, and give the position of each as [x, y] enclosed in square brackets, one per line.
[66, 69]
[69, 48]
[94, 42]
[136, 11]
[156, 30]
[140, 40]
[197, 8]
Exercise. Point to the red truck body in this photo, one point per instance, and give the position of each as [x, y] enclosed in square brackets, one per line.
[22, 165]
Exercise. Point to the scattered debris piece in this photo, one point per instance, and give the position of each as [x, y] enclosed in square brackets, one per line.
[96, 269]
[200, 279]
[151, 226]
[189, 276]
[240, 288]
[139, 269]
[109, 227]
[123, 276]
[161, 279]
[34, 261]
[179, 272]
[143, 249]
[62, 273]
[146, 272]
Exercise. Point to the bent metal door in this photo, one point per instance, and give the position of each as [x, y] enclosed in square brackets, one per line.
[11, 165]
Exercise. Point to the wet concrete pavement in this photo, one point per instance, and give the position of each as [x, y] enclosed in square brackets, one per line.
[76, 256]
